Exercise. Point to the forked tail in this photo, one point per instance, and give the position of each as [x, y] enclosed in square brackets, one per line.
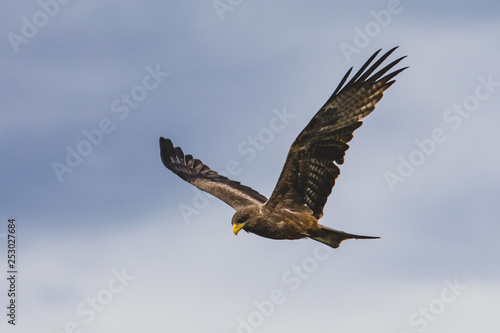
[333, 238]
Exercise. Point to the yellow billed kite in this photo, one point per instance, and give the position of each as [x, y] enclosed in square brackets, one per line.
[310, 170]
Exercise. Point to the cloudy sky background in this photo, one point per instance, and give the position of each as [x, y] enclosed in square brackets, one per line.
[117, 213]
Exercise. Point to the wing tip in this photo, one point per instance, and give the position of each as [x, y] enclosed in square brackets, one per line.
[166, 144]
[365, 73]
[167, 151]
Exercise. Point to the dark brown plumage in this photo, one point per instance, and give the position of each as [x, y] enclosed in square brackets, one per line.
[310, 170]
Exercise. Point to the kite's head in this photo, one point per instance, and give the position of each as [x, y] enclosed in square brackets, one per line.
[239, 220]
[244, 219]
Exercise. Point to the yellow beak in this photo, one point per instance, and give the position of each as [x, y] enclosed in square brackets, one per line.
[237, 228]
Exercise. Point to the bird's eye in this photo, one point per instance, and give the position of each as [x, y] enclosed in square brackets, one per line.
[241, 220]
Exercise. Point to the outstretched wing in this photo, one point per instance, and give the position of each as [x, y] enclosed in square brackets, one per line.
[200, 175]
[312, 163]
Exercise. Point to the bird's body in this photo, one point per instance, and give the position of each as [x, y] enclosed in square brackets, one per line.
[275, 224]
[286, 224]
[311, 167]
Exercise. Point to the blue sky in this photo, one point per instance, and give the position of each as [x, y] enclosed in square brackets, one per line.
[104, 246]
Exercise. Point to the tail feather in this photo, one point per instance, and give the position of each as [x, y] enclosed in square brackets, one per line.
[333, 238]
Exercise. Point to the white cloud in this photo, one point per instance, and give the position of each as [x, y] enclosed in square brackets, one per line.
[176, 287]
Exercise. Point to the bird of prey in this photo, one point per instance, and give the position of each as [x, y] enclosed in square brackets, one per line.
[311, 167]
